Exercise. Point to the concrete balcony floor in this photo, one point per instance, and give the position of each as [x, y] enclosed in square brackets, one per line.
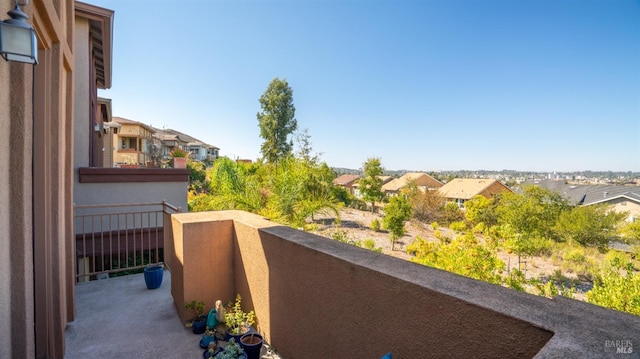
[120, 318]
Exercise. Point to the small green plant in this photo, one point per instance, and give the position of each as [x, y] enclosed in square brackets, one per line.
[458, 226]
[178, 152]
[575, 255]
[196, 307]
[236, 320]
[370, 244]
[231, 351]
[375, 225]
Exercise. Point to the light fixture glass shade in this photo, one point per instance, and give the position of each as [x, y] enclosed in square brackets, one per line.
[18, 43]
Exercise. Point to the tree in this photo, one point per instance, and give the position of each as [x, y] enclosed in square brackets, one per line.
[277, 120]
[427, 205]
[531, 214]
[589, 225]
[481, 210]
[526, 220]
[371, 185]
[395, 213]
[305, 149]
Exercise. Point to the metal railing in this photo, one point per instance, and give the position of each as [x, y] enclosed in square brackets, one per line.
[119, 239]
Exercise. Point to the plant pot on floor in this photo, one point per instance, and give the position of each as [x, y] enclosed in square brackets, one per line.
[252, 344]
[199, 325]
[153, 277]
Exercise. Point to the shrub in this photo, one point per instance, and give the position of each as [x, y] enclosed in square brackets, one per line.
[370, 244]
[375, 225]
[575, 255]
[616, 258]
[458, 226]
[617, 287]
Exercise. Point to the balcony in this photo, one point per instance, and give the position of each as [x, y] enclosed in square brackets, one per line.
[318, 298]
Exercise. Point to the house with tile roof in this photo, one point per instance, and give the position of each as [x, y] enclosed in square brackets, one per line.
[197, 149]
[422, 180]
[347, 181]
[130, 142]
[460, 190]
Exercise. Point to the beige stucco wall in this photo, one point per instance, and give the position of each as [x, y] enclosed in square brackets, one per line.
[16, 251]
[131, 192]
[625, 205]
[82, 102]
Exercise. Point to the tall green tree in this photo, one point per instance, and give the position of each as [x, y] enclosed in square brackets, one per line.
[277, 120]
[370, 186]
[395, 214]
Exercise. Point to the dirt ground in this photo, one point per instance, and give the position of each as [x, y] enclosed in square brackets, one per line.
[357, 224]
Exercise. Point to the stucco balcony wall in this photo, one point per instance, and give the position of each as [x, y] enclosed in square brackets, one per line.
[318, 298]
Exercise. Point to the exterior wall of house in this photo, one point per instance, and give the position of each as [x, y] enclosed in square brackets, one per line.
[36, 300]
[625, 205]
[136, 154]
[82, 103]
[133, 192]
[494, 189]
[16, 252]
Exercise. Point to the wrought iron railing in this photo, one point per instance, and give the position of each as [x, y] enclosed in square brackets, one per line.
[119, 239]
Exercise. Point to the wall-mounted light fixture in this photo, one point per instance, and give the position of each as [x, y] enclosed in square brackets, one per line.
[17, 38]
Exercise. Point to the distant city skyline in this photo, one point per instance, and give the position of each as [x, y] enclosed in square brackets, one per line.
[434, 85]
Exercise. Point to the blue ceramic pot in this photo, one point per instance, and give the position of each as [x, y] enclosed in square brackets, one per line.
[252, 344]
[153, 276]
[199, 325]
[204, 342]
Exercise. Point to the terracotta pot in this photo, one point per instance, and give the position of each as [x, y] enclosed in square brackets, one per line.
[179, 162]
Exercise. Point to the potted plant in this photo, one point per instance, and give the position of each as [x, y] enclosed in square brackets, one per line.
[232, 351]
[198, 323]
[237, 321]
[252, 344]
[211, 350]
[179, 158]
[208, 338]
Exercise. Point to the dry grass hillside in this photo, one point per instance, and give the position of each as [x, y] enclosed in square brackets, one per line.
[355, 224]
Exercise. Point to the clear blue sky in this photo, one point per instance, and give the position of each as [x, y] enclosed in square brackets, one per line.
[540, 85]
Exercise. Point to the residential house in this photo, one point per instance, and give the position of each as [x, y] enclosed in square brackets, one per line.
[200, 151]
[423, 181]
[131, 142]
[461, 190]
[170, 141]
[346, 181]
[621, 198]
